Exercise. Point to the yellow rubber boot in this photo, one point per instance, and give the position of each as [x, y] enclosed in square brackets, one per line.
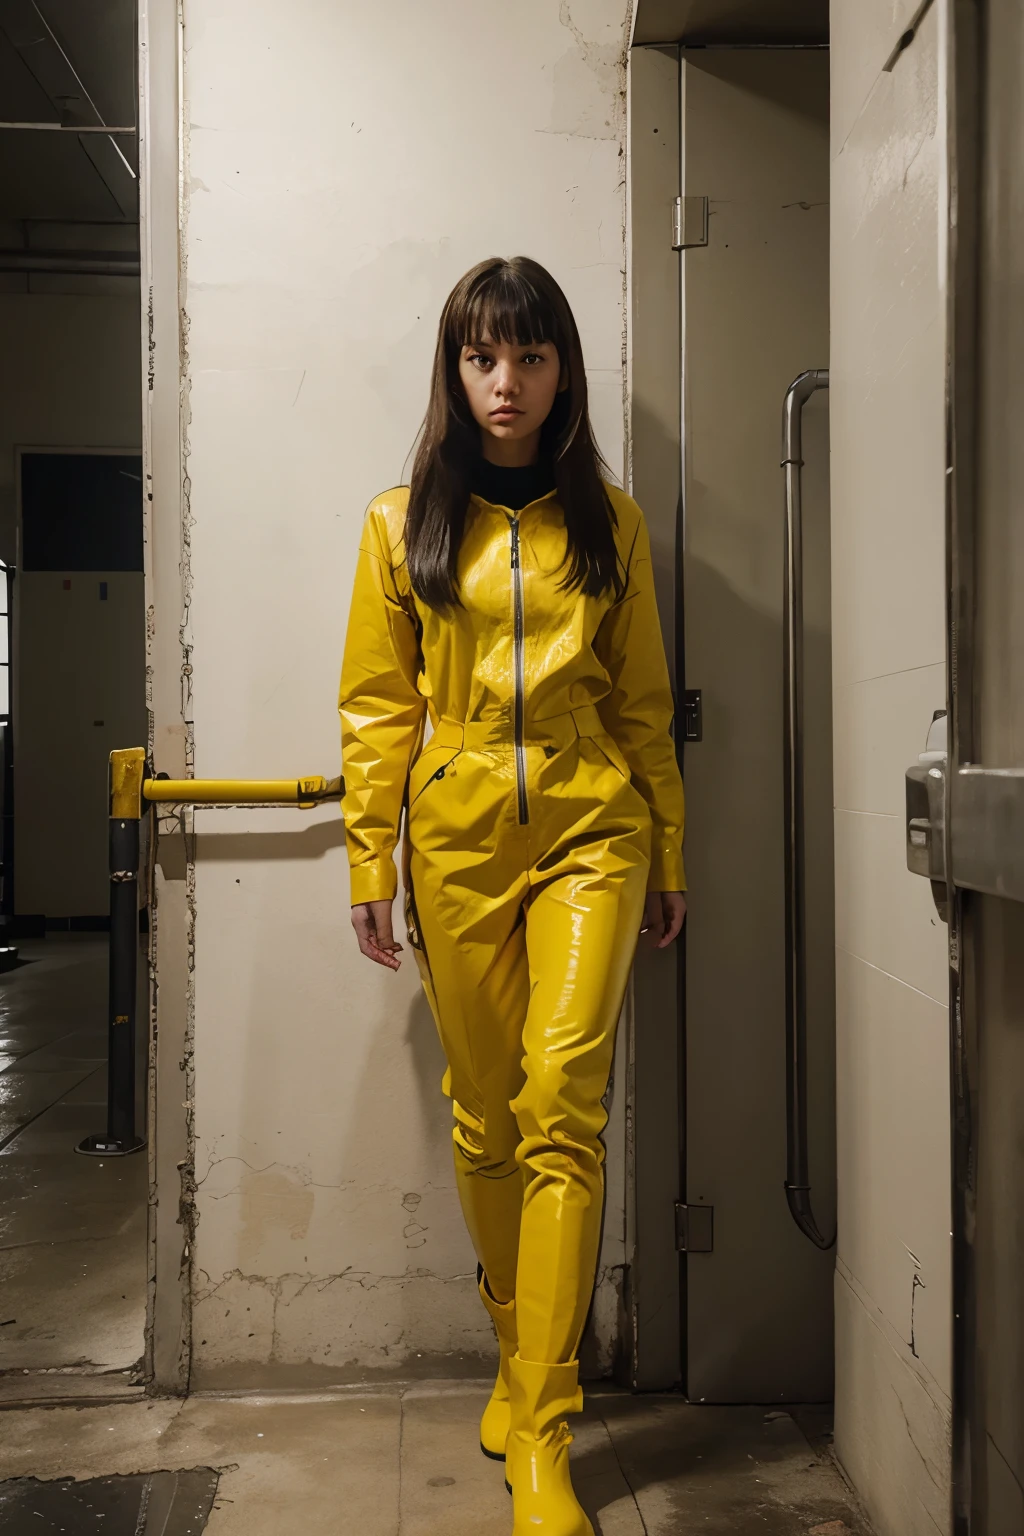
[537, 1462]
[494, 1425]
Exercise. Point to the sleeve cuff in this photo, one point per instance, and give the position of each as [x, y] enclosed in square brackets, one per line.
[667, 872]
[376, 880]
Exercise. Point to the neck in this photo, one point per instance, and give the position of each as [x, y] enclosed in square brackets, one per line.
[508, 453]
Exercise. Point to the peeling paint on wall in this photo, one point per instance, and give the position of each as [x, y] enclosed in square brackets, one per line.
[188, 1213]
[588, 81]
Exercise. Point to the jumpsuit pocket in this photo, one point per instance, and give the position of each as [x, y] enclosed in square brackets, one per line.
[432, 764]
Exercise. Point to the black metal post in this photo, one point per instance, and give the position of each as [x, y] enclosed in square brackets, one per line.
[121, 1137]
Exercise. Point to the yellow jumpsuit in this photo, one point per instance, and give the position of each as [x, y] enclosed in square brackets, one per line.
[545, 803]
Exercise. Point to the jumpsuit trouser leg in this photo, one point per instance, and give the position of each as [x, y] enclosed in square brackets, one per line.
[526, 952]
[580, 938]
[479, 993]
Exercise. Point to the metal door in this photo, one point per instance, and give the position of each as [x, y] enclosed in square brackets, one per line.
[758, 1305]
[979, 850]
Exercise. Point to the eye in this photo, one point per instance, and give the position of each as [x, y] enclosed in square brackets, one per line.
[480, 361]
[533, 358]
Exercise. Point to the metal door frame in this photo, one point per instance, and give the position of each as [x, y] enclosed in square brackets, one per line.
[963, 159]
[974, 796]
[655, 1296]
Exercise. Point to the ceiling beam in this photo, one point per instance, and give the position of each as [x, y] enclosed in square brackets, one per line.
[47, 61]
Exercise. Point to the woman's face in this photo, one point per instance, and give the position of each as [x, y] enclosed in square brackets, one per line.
[510, 391]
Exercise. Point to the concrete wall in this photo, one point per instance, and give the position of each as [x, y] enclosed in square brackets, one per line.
[893, 1303]
[69, 378]
[345, 164]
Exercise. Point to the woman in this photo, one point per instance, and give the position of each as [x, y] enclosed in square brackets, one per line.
[506, 596]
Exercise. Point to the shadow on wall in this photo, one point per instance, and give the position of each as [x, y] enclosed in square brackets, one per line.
[310, 842]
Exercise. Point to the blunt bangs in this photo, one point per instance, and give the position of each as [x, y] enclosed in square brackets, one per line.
[515, 302]
[503, 305]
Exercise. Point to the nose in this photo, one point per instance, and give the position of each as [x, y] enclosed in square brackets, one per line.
[505, 382]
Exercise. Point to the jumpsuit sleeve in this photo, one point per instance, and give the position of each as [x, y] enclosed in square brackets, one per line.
[382, 715]
[638, 711]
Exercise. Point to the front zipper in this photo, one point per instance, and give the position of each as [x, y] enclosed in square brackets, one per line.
[519, 671]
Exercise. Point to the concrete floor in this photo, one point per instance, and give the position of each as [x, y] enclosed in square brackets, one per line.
[395, 1461]
[406, 1463]
[72, 1229]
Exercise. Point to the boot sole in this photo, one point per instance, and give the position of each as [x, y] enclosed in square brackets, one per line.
[492, 1455]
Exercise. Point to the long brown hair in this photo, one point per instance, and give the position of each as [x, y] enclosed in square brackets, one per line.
[514, 301]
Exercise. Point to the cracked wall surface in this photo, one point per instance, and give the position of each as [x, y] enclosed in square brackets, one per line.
[321, 236]
[893, 1283]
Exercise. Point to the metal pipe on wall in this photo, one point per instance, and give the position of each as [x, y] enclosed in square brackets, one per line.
[798, 1186]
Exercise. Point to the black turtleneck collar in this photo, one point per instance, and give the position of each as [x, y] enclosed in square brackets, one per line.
[512, 488]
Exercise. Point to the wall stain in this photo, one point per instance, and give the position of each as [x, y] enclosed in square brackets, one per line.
[589, 86]
[271, 1201]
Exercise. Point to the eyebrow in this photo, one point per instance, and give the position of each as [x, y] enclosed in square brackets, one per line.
[489, 346]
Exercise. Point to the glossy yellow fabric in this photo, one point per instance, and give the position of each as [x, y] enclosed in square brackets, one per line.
[404, 662]
[527, 861]
[537, 1454]
[496, 1418]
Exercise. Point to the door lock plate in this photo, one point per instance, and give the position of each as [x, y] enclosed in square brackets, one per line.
[926, 814]
[693, 715]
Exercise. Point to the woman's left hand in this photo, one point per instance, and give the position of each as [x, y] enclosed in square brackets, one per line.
[663, 917]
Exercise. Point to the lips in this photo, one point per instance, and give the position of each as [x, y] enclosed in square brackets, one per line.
[505, 413]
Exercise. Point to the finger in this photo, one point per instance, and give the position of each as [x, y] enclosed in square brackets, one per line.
[379, 956]
[673, 923]
[385, 934]
[366, 934]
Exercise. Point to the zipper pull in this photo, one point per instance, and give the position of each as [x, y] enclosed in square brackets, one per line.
[514, 525]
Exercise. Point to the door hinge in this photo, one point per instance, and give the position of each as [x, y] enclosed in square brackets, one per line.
[693, 715]
[689, 223]
[695, 1228]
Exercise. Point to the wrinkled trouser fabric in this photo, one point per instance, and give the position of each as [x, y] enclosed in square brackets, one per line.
[525, 935]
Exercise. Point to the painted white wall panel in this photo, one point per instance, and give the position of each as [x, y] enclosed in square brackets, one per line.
[884, 914]
[887, 1397]
[878, 722]
[345, 165]
[887, 406]
[864, 36]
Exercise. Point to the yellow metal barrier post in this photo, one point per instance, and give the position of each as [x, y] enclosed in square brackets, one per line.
[304, 793]
[130, 792]
[127, 769]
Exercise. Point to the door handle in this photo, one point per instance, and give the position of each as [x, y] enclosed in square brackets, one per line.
[926, 814]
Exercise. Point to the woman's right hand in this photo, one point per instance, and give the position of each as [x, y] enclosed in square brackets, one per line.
[372, 923]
